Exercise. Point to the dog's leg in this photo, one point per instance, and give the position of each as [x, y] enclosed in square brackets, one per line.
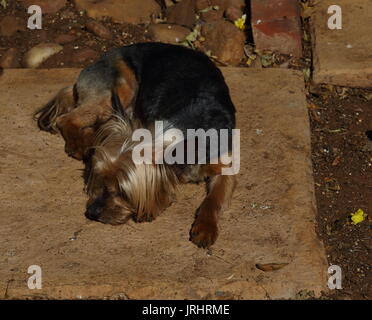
[204, 230]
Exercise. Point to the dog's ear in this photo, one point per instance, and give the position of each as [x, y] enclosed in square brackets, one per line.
[62, 103]
[125, 87]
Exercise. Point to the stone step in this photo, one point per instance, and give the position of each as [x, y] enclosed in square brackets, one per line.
[271, 218]
[343, 56]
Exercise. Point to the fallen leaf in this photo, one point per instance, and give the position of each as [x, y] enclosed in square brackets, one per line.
[312, 106]
[341, 130]
[266, 60]
[367, 96]
[307, 10]
[307, 74]
[315, 116]
[207, 9]
[335, 187]
[191, 38]
[306, 36]
[270, 266]
[336, 161]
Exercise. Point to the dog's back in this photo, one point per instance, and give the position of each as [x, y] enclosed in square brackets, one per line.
[175, 84]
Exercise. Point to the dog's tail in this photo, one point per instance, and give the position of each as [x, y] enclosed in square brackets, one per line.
[62, 103]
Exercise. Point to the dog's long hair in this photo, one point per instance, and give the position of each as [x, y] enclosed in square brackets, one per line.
[145, 187]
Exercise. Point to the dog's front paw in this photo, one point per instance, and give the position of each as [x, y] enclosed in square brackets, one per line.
[204, 233]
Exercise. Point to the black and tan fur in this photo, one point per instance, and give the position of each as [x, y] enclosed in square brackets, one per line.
[129, 88]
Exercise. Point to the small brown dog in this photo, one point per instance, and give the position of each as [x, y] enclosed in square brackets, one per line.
[131, 88]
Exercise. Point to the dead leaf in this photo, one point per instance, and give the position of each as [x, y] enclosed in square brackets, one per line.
[207, 9]
[367, 96]
[307, 74]
[335, 187]
[340, 130]
[336, 161]
[270, 266]
[307, 10]
[315, 116]
[266, 60]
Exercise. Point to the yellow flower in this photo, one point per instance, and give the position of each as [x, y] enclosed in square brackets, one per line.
[240, 23]
[358, 217]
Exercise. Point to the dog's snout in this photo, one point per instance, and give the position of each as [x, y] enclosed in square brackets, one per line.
[93, 212]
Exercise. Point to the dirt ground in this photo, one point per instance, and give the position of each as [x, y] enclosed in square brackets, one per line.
[340, 132]
[341, 121]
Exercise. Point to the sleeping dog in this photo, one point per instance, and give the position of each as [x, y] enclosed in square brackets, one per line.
[136, 87]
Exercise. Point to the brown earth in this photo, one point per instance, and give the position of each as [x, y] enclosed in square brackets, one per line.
[341, 121]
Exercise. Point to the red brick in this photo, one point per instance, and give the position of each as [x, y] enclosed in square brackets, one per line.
[282, 35]
[265, 10]
[276, 26]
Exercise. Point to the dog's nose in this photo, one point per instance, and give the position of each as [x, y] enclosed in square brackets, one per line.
[93, 212]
